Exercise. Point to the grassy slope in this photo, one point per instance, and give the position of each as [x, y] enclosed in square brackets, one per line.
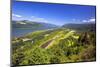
[64, 47]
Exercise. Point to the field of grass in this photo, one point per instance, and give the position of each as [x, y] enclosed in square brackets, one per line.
[54, 46]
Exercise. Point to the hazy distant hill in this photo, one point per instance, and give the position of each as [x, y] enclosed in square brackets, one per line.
[29, 24]
[81, 27]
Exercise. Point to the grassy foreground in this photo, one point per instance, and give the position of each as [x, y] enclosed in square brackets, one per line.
[54, 46]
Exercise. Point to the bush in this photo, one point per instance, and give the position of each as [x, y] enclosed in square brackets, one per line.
[88, 53]
[54, 60]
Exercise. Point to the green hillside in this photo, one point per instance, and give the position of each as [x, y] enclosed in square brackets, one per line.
[54, 46]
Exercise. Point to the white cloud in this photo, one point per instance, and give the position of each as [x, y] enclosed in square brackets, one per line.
[84, 20]
[75, 20]
[89, 20]
[92, 20]
[38, 19]
[32, 16]
[15, 15]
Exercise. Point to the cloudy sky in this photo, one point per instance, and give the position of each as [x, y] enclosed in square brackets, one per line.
[58, 14]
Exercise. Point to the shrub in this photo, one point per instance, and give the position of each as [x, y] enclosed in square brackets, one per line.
[88, 53]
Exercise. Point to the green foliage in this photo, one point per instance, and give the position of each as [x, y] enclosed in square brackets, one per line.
[88, 54]
[74, 47]
[17, 58]
[36, 56]
[54, 60]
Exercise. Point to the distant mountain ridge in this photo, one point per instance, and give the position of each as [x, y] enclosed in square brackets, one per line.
[81, 27]
[33, 25]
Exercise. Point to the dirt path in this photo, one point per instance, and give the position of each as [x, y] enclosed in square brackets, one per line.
[46, 44]
[56, 37]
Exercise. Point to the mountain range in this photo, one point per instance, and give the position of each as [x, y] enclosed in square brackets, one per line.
[81, 27]
[25, 24]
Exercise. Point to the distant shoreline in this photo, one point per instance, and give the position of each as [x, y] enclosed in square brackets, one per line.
[26, 32]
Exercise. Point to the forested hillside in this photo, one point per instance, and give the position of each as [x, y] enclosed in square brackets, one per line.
[54, 46]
